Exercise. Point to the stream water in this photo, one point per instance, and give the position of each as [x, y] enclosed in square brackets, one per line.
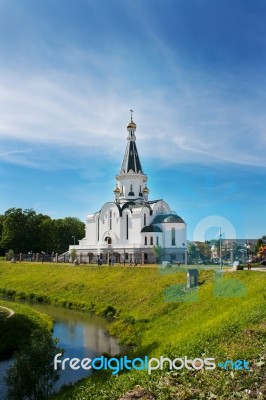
[81, 335]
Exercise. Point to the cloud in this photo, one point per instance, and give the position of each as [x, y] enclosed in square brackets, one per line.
[195, 120]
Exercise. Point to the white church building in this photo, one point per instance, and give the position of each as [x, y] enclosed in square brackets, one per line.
[126, 229]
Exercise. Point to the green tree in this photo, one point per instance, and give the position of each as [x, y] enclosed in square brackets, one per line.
[260, 242]
[66, 229]
[48, 235]
[24, 231]
[14, 234]
[158, 252]
[193, 252]
[204, 250]
[2, 218]
[32, 376]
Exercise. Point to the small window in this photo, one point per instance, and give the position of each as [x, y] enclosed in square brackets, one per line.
[145, 220]
[110, 220]
[173, 236]
[151, 240]
[145, 240]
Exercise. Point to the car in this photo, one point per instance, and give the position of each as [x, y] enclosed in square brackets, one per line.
[263, 262]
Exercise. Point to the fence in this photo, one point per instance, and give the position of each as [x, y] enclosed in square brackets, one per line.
[38, 257]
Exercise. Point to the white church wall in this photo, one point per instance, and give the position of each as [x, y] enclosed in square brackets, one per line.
[108, 223]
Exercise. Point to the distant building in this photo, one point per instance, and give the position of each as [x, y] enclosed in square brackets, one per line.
[127, 229]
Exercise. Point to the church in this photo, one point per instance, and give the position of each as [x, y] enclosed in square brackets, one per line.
[127, 229]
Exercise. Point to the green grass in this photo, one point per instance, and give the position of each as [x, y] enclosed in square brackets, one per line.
[224, 318]
[15, 331]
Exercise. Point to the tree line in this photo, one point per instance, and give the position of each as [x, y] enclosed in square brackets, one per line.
[25, 231]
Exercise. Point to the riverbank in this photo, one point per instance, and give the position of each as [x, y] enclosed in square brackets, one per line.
[6, 312]
[15, 329]
[224, 318]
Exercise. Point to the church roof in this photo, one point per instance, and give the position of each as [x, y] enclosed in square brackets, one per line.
[131, 161]
[151, 228]
[167, 218]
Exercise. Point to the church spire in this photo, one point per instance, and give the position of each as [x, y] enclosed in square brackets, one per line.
[131, 161]
[131, 181]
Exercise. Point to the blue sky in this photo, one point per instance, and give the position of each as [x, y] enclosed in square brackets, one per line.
[194, 72]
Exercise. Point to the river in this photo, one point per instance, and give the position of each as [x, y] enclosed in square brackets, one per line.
[81, 335]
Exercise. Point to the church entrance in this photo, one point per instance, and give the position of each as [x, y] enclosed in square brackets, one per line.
[108, 240]
[90, 258]
[117, 258]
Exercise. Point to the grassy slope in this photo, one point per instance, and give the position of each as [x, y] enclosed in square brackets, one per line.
[16, 330]
[217, 324]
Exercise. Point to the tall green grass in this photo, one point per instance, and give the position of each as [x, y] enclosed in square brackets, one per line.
[224, 318]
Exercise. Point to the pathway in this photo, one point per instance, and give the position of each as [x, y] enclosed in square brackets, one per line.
[9, 310]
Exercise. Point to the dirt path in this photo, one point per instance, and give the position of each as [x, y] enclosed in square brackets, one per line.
[9, 310]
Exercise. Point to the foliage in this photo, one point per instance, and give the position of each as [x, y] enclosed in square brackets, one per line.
[204, 250]
[193, 252]
[25, 320]
[158, 252]
[32, 375]
[25, 231]
[260, 243]
[73, 254]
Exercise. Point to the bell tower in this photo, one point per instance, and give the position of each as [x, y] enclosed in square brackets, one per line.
[131, 181]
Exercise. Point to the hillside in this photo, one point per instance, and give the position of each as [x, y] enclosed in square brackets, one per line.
[224, 318]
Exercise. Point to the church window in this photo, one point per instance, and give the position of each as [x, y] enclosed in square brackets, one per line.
[151, 240]
[110, 220]
[131, 193]
[173, 236]
[127, 226]
[145, 240]
[157, 240]
[145, 221]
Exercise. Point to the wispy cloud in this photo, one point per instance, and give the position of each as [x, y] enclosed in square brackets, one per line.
[66, 110]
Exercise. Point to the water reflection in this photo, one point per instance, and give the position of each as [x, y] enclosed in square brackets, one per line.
[81, 335]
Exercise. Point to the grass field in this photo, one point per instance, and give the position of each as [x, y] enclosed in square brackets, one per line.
[224, 318]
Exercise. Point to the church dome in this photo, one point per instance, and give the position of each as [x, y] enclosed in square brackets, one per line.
[116, 190]
[168, 218]
[151, 228]
[131, 125]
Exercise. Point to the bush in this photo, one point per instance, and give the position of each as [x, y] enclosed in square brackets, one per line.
[38, 356]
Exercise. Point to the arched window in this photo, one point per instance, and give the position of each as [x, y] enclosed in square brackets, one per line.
[145, 240]
[173, 236]
[127, 227]
[145, 220]
[151, 240]
[131, 193]
[110, 220]
[98, 228]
